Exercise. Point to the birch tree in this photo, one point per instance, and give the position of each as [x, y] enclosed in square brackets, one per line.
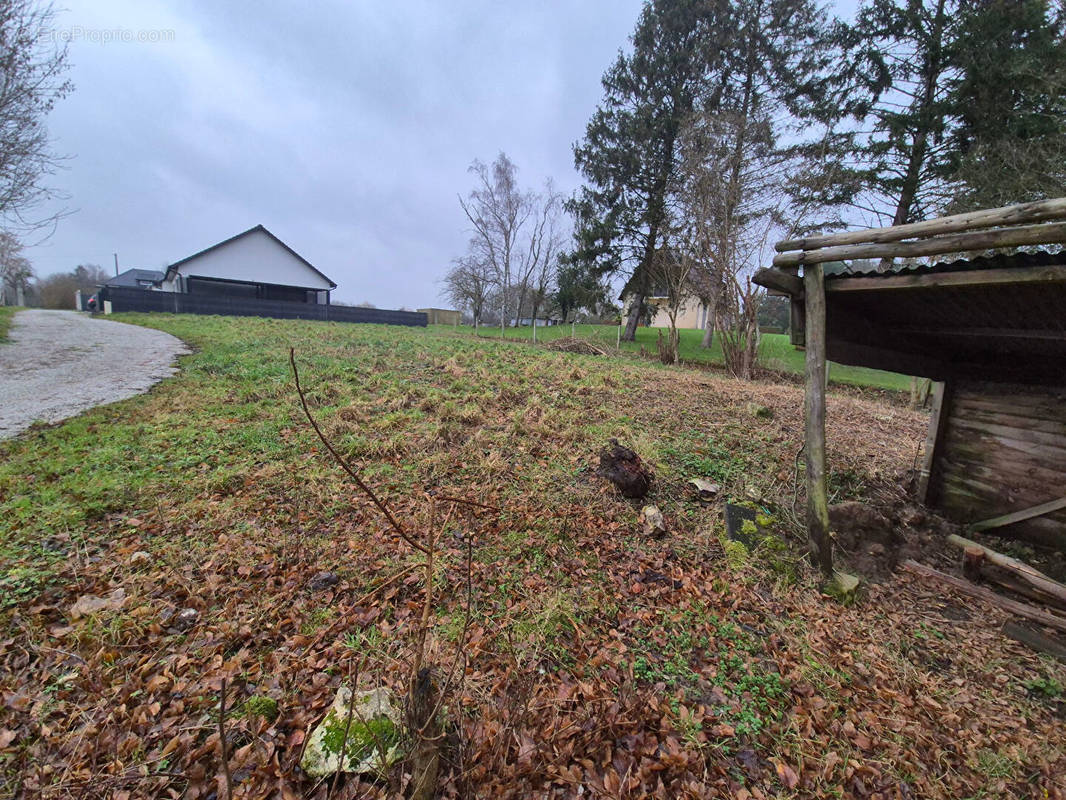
[32, 69]
[497, 210]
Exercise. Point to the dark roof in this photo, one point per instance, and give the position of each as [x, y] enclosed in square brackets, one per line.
[135, 277]
[870, 268]
[241, 235]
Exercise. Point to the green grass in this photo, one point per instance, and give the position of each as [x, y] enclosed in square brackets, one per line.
[216, 474]
[408, 403]
[775, 351]
[7, 314]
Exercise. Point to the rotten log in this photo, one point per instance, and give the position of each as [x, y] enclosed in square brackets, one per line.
[1039, 211]
[1022, 610]
[979, 570]
[1053, 233]
[1015, 574]
[1036, 640]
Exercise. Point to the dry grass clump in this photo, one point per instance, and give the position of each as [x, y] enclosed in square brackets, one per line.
[575, 344]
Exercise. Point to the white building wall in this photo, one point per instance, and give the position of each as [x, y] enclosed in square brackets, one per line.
[257, 258]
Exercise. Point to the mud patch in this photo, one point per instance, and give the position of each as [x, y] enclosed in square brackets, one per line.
[873, 540]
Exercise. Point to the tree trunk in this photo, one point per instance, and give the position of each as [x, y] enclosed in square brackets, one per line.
[920, 146]
[630, 334]
[708, 327]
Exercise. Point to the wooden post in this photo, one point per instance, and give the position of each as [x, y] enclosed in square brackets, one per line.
[796, 321]
[814, 407]
[938, 424]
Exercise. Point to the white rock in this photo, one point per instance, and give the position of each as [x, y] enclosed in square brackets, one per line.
[140, 557]
[654, 524]
[374, 726]
[705, 489]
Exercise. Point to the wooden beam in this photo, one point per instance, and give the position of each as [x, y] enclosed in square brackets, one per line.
[971, 277]
[1019, 516]
[814, 415]
[938, 423]
[1022, 610]
[990, 218]
[779, 280]
[1053, 233]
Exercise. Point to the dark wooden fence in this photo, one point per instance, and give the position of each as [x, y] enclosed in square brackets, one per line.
[127, 299]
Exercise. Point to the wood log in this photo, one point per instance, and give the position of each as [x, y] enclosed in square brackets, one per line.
[1053, 233]
[972, 561]
[779, 280]
[1022, 610]
[1039, 211]
[981, 561]
[1004, 560]
[1035, 640]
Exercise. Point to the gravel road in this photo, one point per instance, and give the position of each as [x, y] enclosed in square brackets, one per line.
[57, 364]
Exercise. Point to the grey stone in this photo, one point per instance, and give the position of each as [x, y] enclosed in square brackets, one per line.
[185, 619]
[323, 580]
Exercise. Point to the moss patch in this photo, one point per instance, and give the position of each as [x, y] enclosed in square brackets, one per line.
[259, 705]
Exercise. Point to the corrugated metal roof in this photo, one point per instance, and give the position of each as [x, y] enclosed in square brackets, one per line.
[871, 268]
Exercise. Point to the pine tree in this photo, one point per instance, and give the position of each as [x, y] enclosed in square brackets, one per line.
[1009, 103]
[896, 64]
[954, 104]
[629, 154]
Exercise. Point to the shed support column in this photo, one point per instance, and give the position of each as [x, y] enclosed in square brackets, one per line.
[938, 423]
[814, 408]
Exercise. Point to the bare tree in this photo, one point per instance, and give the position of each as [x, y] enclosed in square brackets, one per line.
[32, 66]
[497, 210]
[733, 194]
[15, 271]
[467, 286]
[541, 260]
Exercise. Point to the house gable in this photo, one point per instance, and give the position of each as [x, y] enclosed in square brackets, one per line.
[255, 256]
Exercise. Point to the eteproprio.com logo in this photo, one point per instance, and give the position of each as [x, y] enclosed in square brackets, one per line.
[78, 33]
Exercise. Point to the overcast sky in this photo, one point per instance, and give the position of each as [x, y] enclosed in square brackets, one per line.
[346, 128]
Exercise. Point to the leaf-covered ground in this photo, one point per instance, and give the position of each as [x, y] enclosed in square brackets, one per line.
[597, 662]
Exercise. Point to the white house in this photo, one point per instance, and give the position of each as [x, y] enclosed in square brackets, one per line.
[255, 264]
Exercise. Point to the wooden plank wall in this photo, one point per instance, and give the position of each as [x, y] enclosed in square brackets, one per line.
[1004, 450]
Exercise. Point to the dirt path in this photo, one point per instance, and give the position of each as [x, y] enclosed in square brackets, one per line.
[57, 364]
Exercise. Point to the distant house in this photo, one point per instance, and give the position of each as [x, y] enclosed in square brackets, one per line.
[137, 279]
[691, 314]
[254, 265]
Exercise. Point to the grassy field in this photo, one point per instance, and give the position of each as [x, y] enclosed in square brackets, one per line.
[594, 657]
[775, 351]
[7, 313]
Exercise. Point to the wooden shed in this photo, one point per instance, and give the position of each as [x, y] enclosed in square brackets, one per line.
[989, 328]
[442, 316]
